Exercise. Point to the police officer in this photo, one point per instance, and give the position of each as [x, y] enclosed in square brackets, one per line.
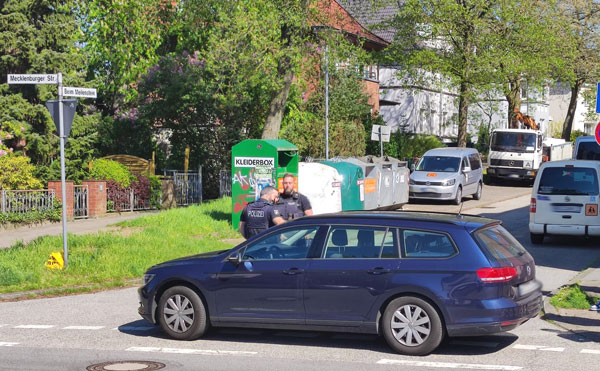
[292, 204]
[258, 216]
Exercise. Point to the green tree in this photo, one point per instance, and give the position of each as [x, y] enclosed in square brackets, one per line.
[582, 18]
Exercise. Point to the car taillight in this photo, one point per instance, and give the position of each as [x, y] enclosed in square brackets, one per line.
[533, 206]
[502, 274]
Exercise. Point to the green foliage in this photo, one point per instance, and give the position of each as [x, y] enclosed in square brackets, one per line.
[106, 259]
[572, 297]
[33, 217]
[155, 192]
[575, 134]
[555, 129]
[103, 169]
[16, 172]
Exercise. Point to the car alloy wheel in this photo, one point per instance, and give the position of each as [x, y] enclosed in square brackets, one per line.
[182, 314]
[477, 195]
[458, 198]
[412, 326]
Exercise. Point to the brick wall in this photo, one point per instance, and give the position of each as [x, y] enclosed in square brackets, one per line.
[55, 185]
[96, 197]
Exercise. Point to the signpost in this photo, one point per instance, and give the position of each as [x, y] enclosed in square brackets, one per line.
[382, 134]
[62, 112]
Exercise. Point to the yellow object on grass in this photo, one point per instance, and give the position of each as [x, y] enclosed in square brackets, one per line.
[56, 261]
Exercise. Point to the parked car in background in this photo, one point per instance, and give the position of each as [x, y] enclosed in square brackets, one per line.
[564, 200]
[447, 174]
[586, 148]
[411, 277]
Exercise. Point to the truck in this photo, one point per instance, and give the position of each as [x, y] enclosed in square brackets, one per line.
[519, 153]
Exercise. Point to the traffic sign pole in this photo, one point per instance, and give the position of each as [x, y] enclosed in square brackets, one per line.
[63, 185]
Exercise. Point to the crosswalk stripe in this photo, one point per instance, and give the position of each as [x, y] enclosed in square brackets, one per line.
[35, 326]
[468, 366]
[189, 351]
[590, 351]
[539, 347]
[83, 327]
[7, 344]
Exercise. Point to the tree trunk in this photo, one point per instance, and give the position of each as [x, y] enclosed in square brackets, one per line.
[277, 108]
[463, 111]
[514, 102]
[568, 125]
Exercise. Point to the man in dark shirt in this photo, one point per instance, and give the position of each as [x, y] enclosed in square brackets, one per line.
[260, 215]
[292, 204]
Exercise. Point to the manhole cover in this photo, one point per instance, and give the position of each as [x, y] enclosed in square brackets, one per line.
[126, 366]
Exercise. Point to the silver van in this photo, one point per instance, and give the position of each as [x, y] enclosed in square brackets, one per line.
[586, 148]
[447, 174]
[564, 200]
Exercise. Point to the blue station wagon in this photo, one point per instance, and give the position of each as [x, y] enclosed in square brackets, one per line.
[412, 277]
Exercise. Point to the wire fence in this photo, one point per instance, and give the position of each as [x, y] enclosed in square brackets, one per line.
[24, 201]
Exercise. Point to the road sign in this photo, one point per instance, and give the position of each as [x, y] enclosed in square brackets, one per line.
[79, 92]
[598, 98]
[32, 79]
[69, 106]
[597, 132]
[385, 133]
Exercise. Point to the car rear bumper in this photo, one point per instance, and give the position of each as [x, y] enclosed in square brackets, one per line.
[500, 319]
[511, 173]
[564, 229]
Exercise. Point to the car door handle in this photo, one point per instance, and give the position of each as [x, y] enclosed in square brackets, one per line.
[379, 270]
[293, 271]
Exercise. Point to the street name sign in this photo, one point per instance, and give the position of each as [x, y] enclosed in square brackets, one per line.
[385, 132]
[32, 79]
[79, 92]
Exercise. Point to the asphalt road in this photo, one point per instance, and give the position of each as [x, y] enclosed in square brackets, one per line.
[75, 332]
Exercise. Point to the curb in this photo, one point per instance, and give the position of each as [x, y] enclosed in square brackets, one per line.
[65, 291]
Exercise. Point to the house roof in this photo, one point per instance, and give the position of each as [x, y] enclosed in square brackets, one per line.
[373, 17]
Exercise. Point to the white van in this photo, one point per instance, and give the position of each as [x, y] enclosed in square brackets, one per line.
[564, 200]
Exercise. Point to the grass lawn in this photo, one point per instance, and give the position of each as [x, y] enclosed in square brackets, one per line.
[572, 297]
[114, 257]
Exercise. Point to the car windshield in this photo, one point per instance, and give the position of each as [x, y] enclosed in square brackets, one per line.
[439, 163]
[588, 151]
[568, 181]
[513, 142]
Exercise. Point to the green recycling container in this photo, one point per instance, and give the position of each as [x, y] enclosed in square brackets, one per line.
[255, 164]
[353, 185]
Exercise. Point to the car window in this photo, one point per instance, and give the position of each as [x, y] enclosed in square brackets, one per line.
[588, 151]
[464, 163]
[498, 244]
[291, 243]
[475, 161]
[439, 163]
[568, 181]
[360, 243]
[424, 244]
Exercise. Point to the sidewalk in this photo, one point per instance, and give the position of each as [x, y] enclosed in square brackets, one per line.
[583, 322]
[9, 236]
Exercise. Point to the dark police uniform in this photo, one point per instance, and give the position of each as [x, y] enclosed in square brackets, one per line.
[258, 216]
[293, 206]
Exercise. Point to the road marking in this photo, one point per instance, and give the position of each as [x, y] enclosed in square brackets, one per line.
[134, 328]
[468, 366]
[7, 344]
[35, 326]
[539, 347]
[2, 325]
[486, 344]
[83, 327]
[190, 351]
[590, 351]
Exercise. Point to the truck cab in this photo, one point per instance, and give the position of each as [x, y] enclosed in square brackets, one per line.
[515, 154]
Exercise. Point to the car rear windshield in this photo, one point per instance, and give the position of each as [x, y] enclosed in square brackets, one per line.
[568, 181]
[588, 151]
[499, 245]
[439, 163]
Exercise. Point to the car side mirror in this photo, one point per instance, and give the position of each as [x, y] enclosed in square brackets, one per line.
[467, 169]
[235, 258]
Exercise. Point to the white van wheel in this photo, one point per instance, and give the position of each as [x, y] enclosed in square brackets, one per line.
[458, 198]
[477, 195]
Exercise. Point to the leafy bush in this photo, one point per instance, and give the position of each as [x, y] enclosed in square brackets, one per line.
[103, 169]
[16, 172]
[155, 192]
[575, 134]
[32, 217]
[146, 193]
[572, 297]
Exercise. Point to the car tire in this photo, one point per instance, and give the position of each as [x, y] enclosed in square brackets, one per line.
[182, 314]
[412, 326]
[536, 239]
[477, 194]
[458, 199]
